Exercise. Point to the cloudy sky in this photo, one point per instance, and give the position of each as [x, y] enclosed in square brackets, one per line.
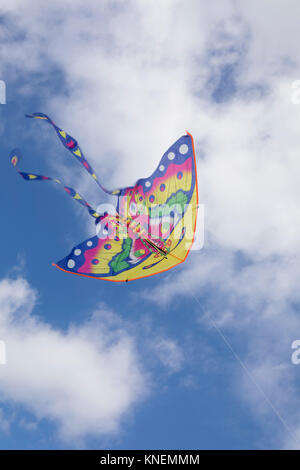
[199, 358]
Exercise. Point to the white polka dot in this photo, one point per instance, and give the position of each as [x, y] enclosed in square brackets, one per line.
[132, 208]
[183, 149]
[71, 263]
[77, 252]
[161, 167]
[148, 184]
[89, 243]
[171, 155]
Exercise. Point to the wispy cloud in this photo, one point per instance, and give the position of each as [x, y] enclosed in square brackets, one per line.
[169, 353]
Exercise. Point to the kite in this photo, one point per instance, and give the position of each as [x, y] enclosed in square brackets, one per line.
[153, 227]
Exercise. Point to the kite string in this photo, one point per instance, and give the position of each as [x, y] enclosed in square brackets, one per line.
[249, 374]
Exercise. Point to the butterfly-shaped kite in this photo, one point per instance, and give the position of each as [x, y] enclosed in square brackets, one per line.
[153, 227]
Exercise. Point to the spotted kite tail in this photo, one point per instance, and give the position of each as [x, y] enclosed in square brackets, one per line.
[15, 157]
[72, 145]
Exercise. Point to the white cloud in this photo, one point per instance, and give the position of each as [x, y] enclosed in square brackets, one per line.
[169, 353]
[85, 380]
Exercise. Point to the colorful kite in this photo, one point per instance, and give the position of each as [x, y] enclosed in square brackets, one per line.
[153, 227]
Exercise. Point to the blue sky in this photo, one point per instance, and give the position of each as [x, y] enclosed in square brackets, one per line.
[93, 364]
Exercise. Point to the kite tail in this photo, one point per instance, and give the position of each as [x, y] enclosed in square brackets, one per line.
[71, 144]
[15, 157]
